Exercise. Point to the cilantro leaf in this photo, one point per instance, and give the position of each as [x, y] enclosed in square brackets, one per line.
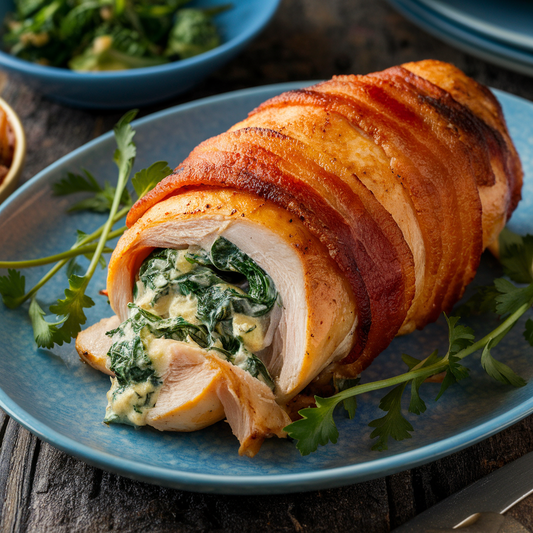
[350, 404]
[74, 183]
[126, 151]
[459, 336]
[393, 424]
[498, 370]
[12, 288]
[528, 333]
[72, 308]
[316, 427]
[101, 198]
[511, 297]
[145, 180]
[516, 256]
[44, 332]
[455, 372]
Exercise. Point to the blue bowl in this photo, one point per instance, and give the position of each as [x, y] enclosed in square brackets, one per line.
[145, 86]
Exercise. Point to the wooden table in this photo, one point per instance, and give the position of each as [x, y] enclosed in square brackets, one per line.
[43, 489]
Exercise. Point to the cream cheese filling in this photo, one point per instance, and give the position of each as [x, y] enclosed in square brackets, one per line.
[161, 301]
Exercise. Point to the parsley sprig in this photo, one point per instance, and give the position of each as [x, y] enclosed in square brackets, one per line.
[116, 201]
[317, 426]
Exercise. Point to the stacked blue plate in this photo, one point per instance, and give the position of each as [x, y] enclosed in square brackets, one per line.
[498, 31]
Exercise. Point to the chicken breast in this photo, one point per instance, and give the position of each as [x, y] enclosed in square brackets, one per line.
[363, 203]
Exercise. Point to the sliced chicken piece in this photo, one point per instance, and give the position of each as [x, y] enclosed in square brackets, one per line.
[92, 344]
[188, 399]
[199, 389]
[313, 327]
[250, 407]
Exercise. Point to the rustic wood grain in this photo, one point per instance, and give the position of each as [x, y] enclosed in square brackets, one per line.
[44, 490]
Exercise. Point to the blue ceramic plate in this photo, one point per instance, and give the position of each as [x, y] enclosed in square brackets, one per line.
[509, 21]
[126, 89]
[62, 401]
[462, 37]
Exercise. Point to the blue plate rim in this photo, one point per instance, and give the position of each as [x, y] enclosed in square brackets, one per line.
[253, 484]
[498, 53]
[29, 68]
[479, 25]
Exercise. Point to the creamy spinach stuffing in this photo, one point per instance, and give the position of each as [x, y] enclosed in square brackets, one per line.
[218, 299]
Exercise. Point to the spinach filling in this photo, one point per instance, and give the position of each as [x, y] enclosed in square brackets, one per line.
[226, 299]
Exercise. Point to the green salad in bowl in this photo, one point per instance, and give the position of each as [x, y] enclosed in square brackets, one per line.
[124, 54]
[102, 35]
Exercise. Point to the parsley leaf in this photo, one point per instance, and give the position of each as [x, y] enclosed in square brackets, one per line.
[350, 404]
[72, 309]
[511, 297]
[145, 180]
[393, 424]
[101, 199]
[73, 268]
[455, 372]
[482, 301]
[459, 336]
[126, 151]
[516, 256]
[12, 288]
[74, 183]
[316, 427]
[498, 370]
[44, 332]
[417, 405]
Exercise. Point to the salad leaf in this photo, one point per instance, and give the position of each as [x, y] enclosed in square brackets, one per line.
[193, 33]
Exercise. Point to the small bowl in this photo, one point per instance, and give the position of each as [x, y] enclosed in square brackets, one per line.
[9, 183]
[144, 86]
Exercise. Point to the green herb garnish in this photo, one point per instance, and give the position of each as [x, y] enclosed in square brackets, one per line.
[69, 311]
